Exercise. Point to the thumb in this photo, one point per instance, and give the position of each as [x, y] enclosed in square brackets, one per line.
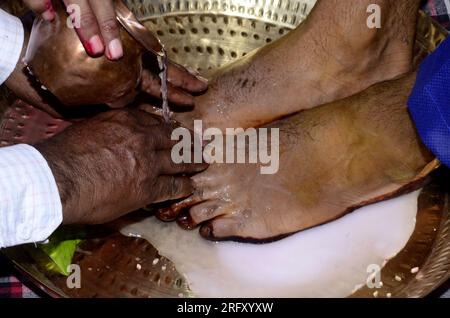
[43, 8]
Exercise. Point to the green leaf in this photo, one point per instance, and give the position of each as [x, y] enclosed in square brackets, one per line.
[57, 254]
[61, 253]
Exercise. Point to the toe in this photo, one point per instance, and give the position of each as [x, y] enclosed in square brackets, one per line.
[221, 228]
[167, 214]
[185, 221]
[198, 214]
[171, 213]
[206, 211]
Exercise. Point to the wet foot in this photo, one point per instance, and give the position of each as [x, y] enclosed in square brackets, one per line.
[333, 159]
[332, 55]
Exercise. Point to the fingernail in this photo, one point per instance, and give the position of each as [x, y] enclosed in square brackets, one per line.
[95, 46]
[115, 50]
[192, 71]
[206, 231]
[49, 15]
[197, 74]
[202, 79]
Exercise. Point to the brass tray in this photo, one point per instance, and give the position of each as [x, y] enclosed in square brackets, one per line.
[205, 35]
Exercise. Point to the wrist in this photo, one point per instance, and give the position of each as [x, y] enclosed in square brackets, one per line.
[20, 84]
[65, 178]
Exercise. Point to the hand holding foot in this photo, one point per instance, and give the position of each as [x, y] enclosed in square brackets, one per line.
[97, 161]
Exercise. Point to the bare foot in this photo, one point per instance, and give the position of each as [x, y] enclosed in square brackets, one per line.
[333, 159]
[332, 55]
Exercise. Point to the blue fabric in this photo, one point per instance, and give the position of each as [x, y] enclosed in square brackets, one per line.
[429, 103]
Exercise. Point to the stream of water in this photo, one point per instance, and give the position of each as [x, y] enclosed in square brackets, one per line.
[163, 62]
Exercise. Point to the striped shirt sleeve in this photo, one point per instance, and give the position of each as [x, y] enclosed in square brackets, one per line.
[11, 42]
[30, 206]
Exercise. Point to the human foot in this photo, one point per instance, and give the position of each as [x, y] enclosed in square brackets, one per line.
[333, 159]
[332, 55]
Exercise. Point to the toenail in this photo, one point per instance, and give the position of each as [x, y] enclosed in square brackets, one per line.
[186, 222]
[166, 215]
[206, 231]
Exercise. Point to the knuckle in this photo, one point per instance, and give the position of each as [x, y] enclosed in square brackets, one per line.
[87, 19]
[125, 115]
[155, 188]
[109, 25]
[118, 115]
[163, 191]
[186, 167]
[157, 140]
[154, 120]
[146, 147]
[166, 128]
[175, 186]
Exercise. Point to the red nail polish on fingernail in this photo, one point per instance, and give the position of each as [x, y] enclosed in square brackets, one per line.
[49, 13]
[94, 46]
[114, 50]
[88, 47]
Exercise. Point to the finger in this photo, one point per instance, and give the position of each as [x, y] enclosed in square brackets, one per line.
[109, 27]
[42, 7]
[179, 97]
[86, 26]
[136, 117]
[161, 132]
[151, 84]
[167, 135]
[186, 80]
[169, 167]
[152, 122]
[172, 188]
[150, 109]
[162, 136]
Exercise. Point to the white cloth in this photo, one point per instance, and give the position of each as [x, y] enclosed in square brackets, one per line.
[30, 206]
[11, 42]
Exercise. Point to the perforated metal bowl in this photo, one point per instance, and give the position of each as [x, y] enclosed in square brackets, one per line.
[205, 35]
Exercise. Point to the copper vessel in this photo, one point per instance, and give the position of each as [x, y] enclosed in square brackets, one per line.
[59, 62]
